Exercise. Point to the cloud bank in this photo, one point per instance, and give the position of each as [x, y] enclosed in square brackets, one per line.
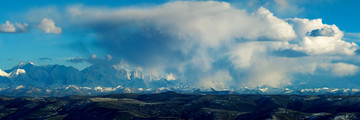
[8, 27]
[47, 25]
[213, 44]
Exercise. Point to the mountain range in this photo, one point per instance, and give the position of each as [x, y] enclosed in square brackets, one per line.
[96, 77]
[28, 79]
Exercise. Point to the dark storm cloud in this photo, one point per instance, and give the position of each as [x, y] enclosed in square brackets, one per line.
[93, 59]
[44, 59]
[142, 46]
[76, 60]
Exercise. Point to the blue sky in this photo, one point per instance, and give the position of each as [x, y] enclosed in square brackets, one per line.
[35, 44]
[99, 30]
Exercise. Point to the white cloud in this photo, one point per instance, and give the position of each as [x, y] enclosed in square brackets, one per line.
[48, 26]
[282, 29]
[209, 22]
[243, 55]
[8, 27]
[215, 44]
[199, 26]
[269, 73]
[344, 69]
[321, 45]
[219, 80]
[340, 69]
[282, 3]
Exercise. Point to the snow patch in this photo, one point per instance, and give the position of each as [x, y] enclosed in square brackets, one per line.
[17, 72]
[4, 74]
[25, 63]
[19, 87]
[104, 89]
[263, 89]
[71, 86]
[170, 77]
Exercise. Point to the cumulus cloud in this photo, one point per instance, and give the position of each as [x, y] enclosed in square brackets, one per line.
[214, 44]
[184, 30]
[48, 26]
[340, 69]
[8, 27]
[316, 38]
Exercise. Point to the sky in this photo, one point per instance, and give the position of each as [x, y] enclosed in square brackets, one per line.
[233, 43]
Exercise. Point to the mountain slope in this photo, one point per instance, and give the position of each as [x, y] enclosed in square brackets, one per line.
[171, 105]
[56, 79]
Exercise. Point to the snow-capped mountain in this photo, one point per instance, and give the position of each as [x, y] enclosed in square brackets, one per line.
[100, 78]
[3, 73]
[59, 80]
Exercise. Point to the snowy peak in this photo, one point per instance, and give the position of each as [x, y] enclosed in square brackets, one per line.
[25, 64]
[170, 77]
[22, 65]
[3, 73]
[17, 72]
[134, 74]
[103, 77]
